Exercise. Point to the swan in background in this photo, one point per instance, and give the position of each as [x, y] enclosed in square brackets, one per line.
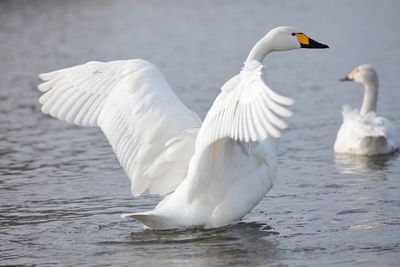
[213, 172]
[363, 132]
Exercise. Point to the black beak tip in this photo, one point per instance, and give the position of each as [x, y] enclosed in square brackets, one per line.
[345, 79]
[319, 45]
[314, 44]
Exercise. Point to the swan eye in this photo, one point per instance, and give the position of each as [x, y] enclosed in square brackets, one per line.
[293, 34]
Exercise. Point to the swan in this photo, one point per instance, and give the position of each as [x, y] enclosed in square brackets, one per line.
[362, 131]
[212, 172]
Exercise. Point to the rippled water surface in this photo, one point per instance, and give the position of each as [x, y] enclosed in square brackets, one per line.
[62, 189]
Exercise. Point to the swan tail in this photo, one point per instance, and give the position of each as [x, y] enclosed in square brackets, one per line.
[151, 220]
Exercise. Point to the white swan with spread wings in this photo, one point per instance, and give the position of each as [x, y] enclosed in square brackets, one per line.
[213, 172]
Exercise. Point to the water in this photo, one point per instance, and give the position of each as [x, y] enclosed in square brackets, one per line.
[62, 190]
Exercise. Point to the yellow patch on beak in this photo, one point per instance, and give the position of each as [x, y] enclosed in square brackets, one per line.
[302, 38]
[351, 75]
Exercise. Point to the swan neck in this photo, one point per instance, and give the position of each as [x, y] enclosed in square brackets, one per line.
[260, 50]
[370, 99]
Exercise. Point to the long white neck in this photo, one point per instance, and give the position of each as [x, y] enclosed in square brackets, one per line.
[260, 50]
[370, 97]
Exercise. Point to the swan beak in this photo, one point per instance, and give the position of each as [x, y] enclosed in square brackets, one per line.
[346, 79]
[349, 77]
[306, 42]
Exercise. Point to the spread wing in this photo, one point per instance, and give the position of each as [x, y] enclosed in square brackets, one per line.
[246, 110]
[151, 131]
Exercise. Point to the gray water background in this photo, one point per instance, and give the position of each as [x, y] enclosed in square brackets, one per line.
[62, 189]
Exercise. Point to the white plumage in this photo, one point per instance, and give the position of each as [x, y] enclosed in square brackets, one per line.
[362, 131]
[151, 131]
[245, 110]
[218, 170]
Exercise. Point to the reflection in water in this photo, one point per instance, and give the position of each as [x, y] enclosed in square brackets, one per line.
[353, 164]
[242, 244]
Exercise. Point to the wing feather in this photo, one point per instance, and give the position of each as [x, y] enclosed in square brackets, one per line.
[246, 110]
[258, 125]
[137, 111]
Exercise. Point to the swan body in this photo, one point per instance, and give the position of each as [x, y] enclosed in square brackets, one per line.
[362, 131]
[212, 172]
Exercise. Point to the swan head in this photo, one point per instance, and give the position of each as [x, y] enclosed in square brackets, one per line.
[287, 38]
[282, 38]
[364, 74]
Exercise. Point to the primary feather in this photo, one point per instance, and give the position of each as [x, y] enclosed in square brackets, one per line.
[251, 107]
[152, 133]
